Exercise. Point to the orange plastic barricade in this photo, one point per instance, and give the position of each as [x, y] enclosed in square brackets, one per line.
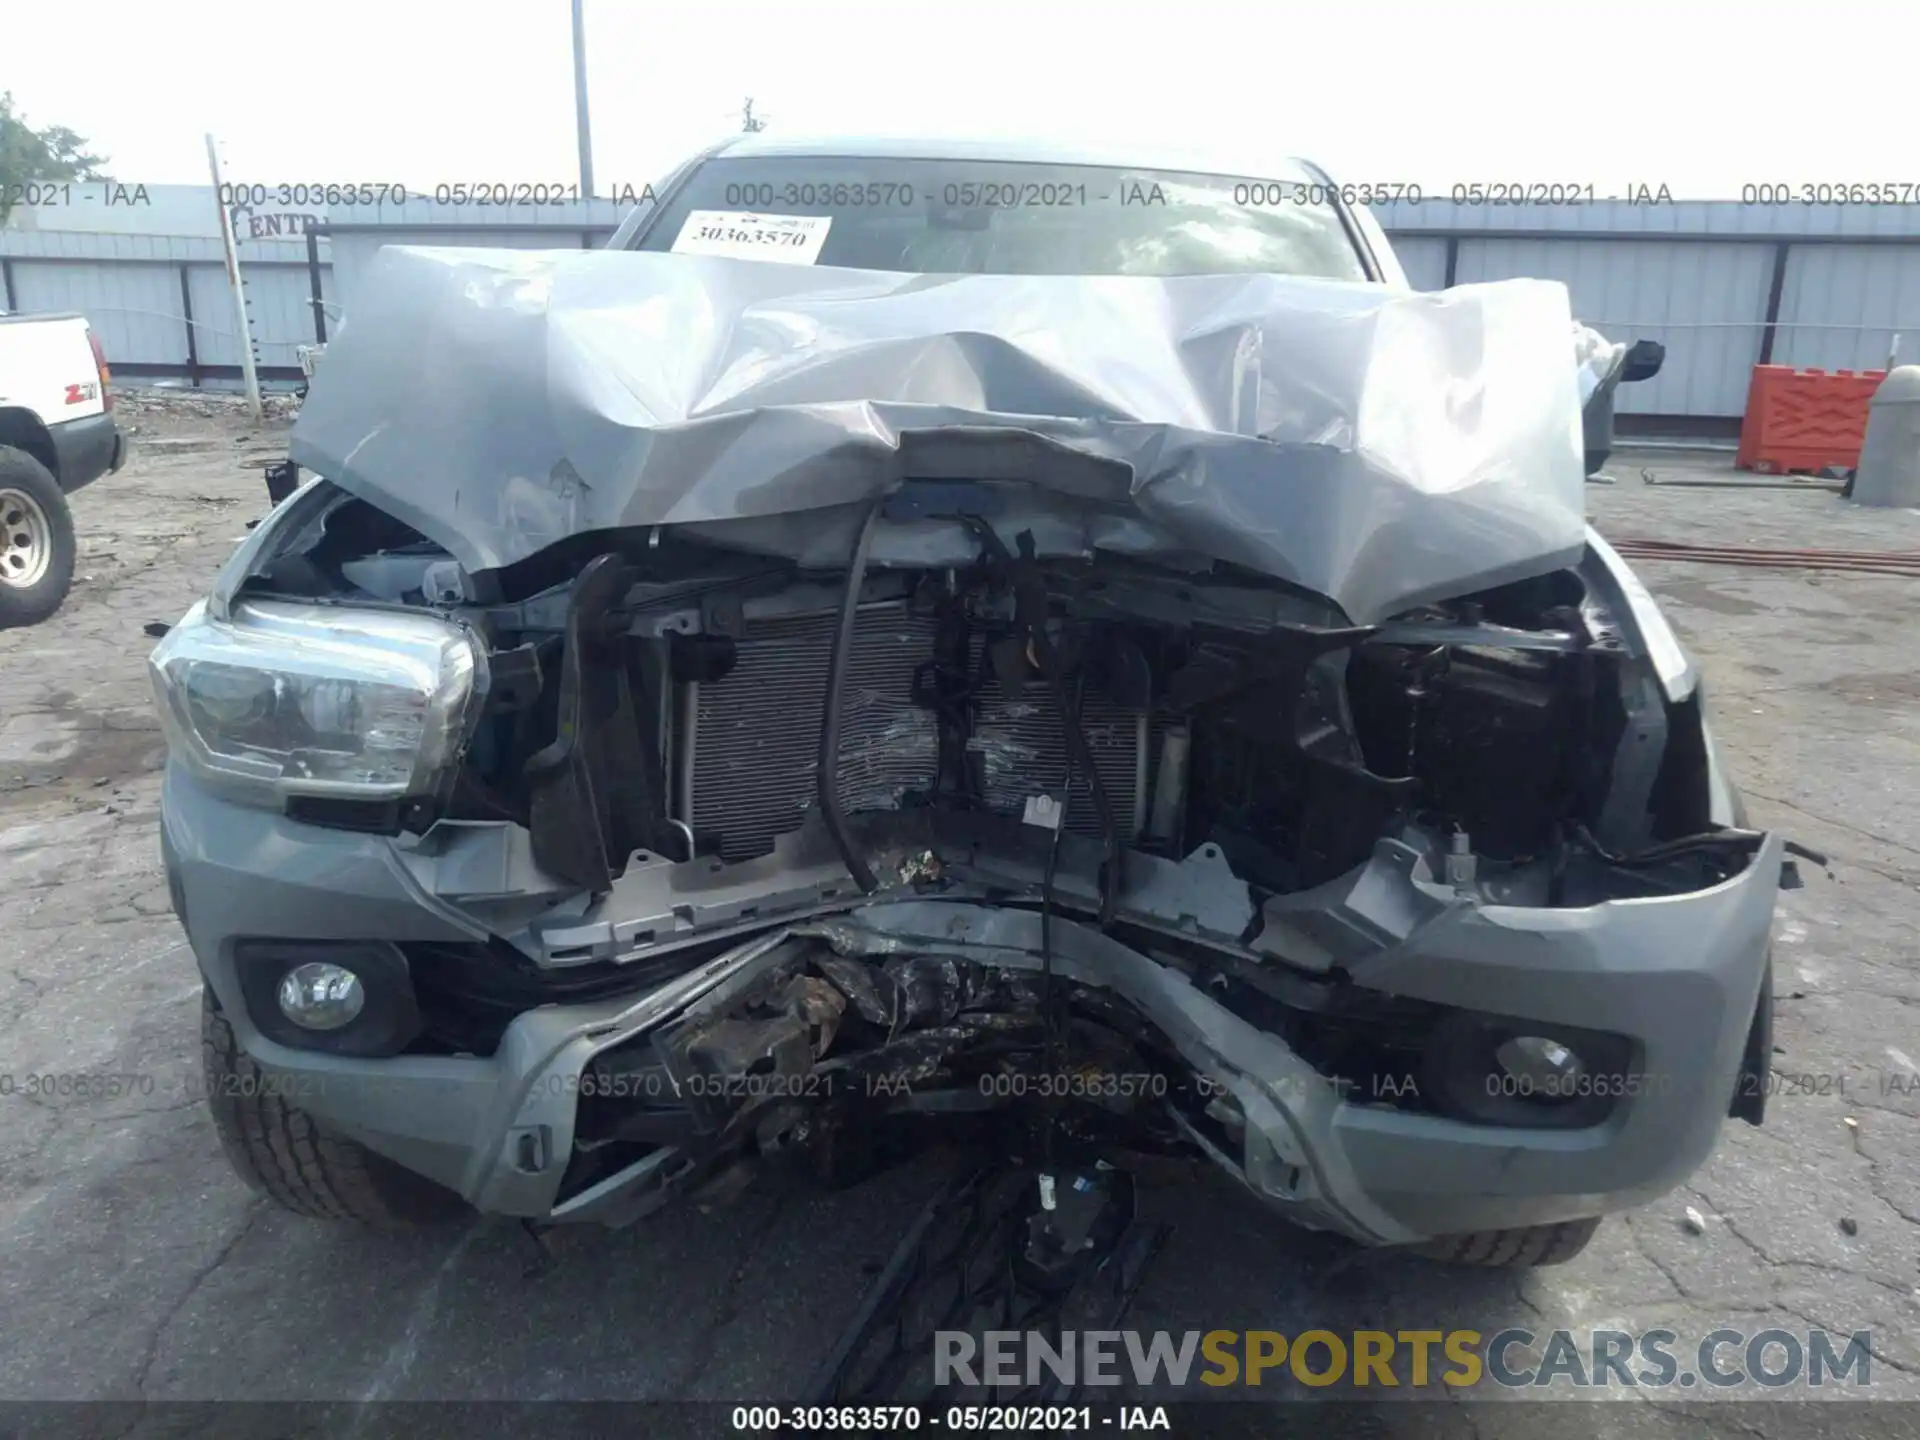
[1805, 419]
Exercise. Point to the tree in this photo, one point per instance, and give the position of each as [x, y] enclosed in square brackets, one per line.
[28, 156]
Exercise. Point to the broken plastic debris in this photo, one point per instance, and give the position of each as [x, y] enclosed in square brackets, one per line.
[1696, 1222]
[925, 866]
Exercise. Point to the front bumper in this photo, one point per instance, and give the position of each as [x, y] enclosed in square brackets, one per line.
[1678, 975]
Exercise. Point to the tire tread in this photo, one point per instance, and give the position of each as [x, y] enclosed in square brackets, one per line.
[279, 1150]
[1519, 1249]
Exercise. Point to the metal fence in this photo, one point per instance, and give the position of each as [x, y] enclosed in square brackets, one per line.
[161, 304]
[163, 309]
[1723, 286]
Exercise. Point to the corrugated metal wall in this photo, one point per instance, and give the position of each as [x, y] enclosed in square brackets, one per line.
[278, 302]
[1715, 219]
[1876, 287]
[135, 308]
[1697, 276]
[1424, 258]
[1703, 301]
[145, 295]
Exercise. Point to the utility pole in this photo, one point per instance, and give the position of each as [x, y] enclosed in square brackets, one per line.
[750, 124]
[580, 101]
[233, 279]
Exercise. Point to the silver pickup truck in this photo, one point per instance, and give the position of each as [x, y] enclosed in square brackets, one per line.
[1107, 673]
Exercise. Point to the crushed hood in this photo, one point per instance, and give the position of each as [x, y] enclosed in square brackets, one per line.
[1380, 447]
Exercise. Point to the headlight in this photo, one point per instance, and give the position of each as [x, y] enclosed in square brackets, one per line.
[285, 699]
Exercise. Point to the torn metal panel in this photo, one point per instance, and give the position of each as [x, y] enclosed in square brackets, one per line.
[1378, 447]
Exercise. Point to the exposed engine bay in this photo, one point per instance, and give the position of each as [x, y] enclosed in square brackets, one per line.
[675, 696]
[1209, 764]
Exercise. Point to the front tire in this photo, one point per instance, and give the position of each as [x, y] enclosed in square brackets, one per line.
[280, 1151]
[36, 541]
[1520, 1249]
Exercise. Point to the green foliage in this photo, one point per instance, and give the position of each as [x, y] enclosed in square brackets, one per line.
[28, 155]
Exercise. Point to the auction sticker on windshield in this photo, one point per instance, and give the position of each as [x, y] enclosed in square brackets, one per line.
[742, 235]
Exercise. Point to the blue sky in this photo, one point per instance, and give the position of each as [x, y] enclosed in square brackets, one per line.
[1696, 94]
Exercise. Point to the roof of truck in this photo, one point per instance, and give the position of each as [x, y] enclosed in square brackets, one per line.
[1225, 160]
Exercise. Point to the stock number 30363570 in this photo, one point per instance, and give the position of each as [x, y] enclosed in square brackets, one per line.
[880, 1419]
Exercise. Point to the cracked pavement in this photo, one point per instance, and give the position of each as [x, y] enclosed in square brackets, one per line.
[134, 1265]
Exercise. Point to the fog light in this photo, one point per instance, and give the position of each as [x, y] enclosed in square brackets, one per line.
[321, 996]
[1541, 1067]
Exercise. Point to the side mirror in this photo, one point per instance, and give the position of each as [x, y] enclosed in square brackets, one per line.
[1643, 362]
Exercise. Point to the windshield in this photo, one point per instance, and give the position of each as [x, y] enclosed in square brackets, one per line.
[973, 217]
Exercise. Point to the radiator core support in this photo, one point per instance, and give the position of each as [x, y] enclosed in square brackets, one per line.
[745, 746]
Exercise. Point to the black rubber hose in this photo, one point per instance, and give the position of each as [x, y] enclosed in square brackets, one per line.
[1030, 611]
[1030, 608]
[1050, 1017]
[827, 791]
[1080, 755]
[1736, 840]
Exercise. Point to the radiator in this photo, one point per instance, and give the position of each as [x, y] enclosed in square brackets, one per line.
[748, 743]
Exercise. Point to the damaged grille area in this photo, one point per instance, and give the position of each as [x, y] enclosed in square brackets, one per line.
[810, 1051]
[1022, 744]
[842, 1052]
[755, 734]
